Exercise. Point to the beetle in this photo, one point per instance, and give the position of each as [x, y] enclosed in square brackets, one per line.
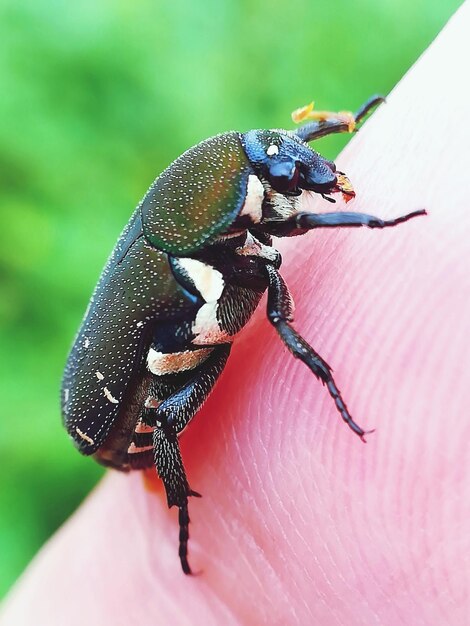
[186, 275]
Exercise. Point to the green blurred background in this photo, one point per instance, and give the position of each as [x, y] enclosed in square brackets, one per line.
[96, 98]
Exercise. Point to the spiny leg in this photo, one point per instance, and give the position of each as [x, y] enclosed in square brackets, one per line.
[183, 519]
[169, 419]
[181, 406]
[303, 351]
[171, 470]
[279, 314]
[337, 122]
[307, 221]
[300, 223]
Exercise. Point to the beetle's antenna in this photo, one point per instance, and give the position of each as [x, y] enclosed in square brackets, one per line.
[327, 123]
[372, 103]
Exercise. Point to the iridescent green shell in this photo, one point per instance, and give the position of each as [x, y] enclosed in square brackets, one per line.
[197, 197]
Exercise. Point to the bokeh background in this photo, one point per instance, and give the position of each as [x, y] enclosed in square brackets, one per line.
[96, 98]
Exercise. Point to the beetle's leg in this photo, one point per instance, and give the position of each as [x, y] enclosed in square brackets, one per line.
[181, 406]
[301, 222]
[169, 419]
[279, 314]
[306, 221]
[336, 123]
[170, 468]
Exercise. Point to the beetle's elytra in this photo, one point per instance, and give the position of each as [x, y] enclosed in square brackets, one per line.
[184, 278]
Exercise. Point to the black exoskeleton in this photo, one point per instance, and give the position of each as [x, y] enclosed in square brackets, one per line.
[186, 275]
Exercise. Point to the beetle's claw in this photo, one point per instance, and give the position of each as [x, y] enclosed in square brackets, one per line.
[366, 432]
[187, 569]
[185, 566]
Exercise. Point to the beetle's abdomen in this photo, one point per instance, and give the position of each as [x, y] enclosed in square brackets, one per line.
[135, 291]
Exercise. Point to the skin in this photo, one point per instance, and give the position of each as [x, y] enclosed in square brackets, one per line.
[300, 522]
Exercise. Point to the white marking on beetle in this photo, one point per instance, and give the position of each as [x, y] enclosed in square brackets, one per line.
[86, 342]
[254, 199]
[133, 449]
[272, 150]
[207, 328]
[282, 206]
[253, 247]
[66, 395]
[140, 427]
[84, 436]
[207, 280]
[227, 236]
[99, 375]
[151, 403]
[160, 363]
[139, 324]
[110, 396]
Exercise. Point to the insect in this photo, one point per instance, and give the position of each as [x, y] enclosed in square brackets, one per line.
[186, 275]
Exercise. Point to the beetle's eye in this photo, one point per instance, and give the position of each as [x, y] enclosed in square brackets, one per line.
[283, 175]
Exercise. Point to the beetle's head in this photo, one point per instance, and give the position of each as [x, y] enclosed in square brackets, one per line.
[290, 166]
